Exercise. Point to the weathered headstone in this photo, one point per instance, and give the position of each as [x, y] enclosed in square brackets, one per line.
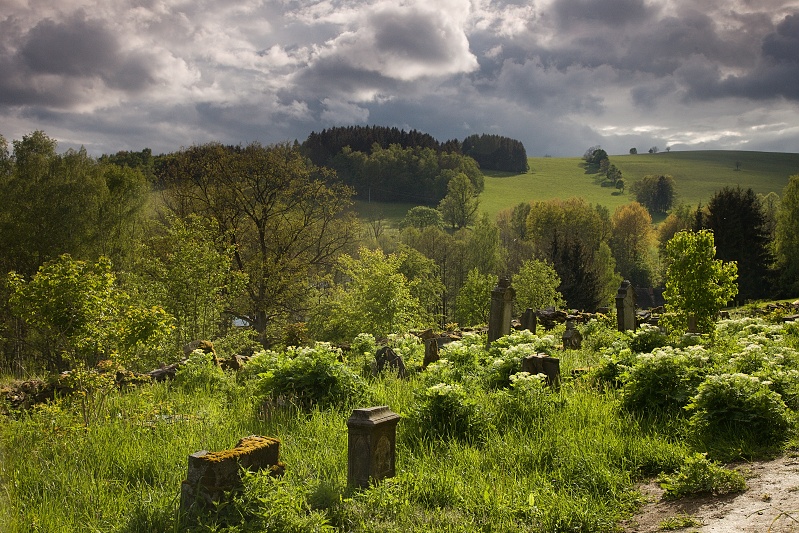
[385, 357]
[543, 364]
[211, 474]
[430, 352]
[625, 306]
[572, 338]
[371, 447]
[529, 320]
[502, 298]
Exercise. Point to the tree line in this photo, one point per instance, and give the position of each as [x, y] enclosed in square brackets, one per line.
[102, 262]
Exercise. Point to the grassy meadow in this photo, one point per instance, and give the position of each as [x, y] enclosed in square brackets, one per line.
[698, 176]
[480, 447]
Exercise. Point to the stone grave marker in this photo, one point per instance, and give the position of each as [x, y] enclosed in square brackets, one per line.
[529, 320]
[499, 319]
[625, 307]
[371, 445]
[543, 364]
[211, 474]
[572, 338]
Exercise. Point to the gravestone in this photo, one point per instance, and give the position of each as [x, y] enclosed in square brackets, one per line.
[371, 445]
[502, 298]
[211, 474]
[430, 352]
[529, 320]
[572, 338]
[386, 357]
[625, 307]
[543, 364]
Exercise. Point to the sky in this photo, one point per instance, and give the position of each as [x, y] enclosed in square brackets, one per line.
[558, 75]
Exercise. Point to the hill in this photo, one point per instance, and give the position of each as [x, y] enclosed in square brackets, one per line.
[698, 175]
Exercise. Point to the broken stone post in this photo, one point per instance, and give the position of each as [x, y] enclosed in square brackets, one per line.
[430, 352]
[211, 474]
[625, 307]
[529, 320]
[502, 298]
[543, 364]
[572, 338]
[371, 448]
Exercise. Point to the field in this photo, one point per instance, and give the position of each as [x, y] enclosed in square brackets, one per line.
[698, 175]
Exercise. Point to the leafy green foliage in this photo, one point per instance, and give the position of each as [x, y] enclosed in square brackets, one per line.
[199, 373]
[474, 299]
[738, 404]
[536, 286]
[698, 475]
[376, 297]
[665, 380]
[446, 411]
[736, 218]
[80, 316]
[786, 238]
[656, 193]
[459, 206]
[697, 285]
[308, 376]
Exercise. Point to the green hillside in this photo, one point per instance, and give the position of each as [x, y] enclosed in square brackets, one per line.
[698, 176]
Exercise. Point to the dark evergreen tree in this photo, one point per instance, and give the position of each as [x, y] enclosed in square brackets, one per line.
[739, 228]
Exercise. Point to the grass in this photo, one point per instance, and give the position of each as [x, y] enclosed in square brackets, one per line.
[547, 460]
[698, 175]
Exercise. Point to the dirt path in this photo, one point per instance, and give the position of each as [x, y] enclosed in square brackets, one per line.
[770, 504]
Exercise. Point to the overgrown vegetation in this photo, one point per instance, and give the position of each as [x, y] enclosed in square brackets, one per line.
[480, 445]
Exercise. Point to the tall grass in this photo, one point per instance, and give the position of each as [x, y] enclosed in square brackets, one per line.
[547, 460]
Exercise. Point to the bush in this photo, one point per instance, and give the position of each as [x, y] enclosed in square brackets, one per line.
[664, 380]
[446, 411]
[308, 376]
[698, 475]
[647, 338]
[737, 404]
[200, 373]
[527, 399]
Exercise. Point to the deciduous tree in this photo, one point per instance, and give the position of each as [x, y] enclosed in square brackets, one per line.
[697, 284]
[287, 220]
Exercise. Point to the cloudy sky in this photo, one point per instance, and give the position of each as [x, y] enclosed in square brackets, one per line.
[559, 75]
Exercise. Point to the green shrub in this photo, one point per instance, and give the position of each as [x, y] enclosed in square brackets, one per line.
[647, 338]
[613, 364]
[598, 334]
[528, 398]
[698, 475]
[664, 380]
[307, 376]
[738, 404]
[446, 411]
[200, 373]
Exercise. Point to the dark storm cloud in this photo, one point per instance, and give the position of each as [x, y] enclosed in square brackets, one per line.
[560, 75]
[59, 62]
[612, 13]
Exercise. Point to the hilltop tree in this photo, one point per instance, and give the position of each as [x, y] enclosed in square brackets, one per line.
[656, 193]
[496, 152]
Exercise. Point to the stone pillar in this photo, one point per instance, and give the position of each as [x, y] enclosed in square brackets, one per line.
[529, 320]
[625, 306]
[502, 298]
[211, 474]
[371, 448]
[430, 352]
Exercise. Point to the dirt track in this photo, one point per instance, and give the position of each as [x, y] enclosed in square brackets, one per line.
[769, 505]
